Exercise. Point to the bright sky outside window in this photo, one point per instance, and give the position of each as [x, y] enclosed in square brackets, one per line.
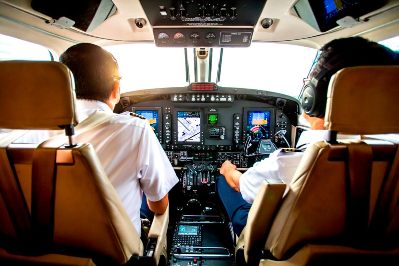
[144, 66]
[16, 49]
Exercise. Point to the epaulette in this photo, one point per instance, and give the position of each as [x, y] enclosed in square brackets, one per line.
[137, 115]
[287, 150]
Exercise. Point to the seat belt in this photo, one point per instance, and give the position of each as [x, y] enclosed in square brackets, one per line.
[13, 197]
[43, 194]
[387, 204]
[11, 191]
[358, 191]
[94, 120]
[44, 172]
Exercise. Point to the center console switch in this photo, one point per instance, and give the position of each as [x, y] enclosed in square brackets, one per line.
[199, 175]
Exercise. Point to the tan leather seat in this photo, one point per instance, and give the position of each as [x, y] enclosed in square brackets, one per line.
[341, 207]
[58, 205]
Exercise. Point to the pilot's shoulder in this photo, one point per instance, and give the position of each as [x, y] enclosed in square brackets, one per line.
[129, 119]
[283, 152]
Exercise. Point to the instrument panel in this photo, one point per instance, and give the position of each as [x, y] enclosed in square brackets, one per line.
[200, 130]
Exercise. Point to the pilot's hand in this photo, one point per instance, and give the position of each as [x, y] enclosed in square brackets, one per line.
[228, 170]
[227, 166]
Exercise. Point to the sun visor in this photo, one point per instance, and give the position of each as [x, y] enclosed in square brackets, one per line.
[83, 15]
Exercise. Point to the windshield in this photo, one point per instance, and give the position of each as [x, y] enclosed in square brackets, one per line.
[144, 66]
[263, 66]
[267, 66]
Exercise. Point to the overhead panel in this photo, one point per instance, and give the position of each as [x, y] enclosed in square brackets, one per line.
[201, 23]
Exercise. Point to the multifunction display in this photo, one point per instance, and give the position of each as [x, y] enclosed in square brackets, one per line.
[188, 126]
[188, 230]
[153, 116]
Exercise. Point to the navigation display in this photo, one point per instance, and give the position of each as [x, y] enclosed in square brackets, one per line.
[188, 230]
[152, 116]
[189, 126]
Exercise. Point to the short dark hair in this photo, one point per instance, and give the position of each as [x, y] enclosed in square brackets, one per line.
[336, 55]
[352, 51]
[94, 70]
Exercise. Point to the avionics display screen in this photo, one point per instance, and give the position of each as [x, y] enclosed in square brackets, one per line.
[323, 14]
[260, 118]
[212, 119]
[258, 123]
[152, 116]
[188, 126]
[188, 230]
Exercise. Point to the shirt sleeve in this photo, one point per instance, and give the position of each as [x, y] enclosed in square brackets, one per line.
[277, 168]
[156, 174]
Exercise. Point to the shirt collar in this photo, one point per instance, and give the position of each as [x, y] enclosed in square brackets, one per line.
[310, 136]
[87, 107]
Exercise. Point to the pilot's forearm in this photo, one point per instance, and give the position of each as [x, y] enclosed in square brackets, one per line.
[228, 170]
[234, 175]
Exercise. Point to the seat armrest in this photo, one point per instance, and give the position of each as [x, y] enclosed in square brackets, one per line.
[157, 235]
[260, 219]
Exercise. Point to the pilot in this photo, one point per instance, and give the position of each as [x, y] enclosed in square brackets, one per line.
[238, 190]
[127, 147]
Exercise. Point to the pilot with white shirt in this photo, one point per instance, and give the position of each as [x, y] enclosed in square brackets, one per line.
[237, 190]
[126, 146]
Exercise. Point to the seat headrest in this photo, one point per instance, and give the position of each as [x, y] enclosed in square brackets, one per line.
[36, 95]
[364, 100]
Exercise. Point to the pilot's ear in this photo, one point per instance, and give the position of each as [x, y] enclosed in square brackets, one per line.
[115, 94]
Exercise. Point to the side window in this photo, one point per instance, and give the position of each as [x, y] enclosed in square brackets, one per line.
[16, 49]
[392, 43]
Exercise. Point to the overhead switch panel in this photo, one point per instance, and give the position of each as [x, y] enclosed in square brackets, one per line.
[202, 23]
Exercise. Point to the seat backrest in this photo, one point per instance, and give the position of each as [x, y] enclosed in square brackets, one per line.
[64, 191]
[346, 194]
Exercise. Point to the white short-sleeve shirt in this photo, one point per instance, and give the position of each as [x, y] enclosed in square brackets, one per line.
[131, 155]
[278, 166]
[129, 152]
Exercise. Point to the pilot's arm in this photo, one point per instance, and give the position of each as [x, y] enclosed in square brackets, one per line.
[157, 176]
[158, 207]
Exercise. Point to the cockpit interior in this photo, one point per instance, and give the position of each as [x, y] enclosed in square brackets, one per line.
[216, 80]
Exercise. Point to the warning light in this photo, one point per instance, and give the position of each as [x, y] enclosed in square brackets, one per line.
[203, 86]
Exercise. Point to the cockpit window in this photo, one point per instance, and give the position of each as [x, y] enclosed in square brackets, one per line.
[16, 49]
[263, 66]
[144, 66]
[267, 66]
[392, 43]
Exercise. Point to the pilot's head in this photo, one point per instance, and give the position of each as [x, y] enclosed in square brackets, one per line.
[95, 71]
[333, 56]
